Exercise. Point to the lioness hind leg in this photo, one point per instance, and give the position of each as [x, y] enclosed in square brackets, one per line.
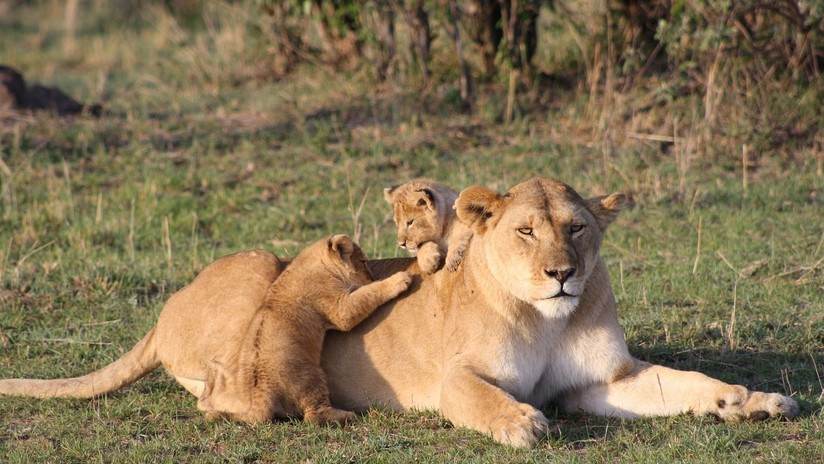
[221, 398]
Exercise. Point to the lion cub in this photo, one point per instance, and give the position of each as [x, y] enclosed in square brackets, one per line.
[425, 215]
[277, 373]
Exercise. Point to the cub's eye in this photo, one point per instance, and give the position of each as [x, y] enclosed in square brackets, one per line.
[409, 222]
[525, 231]
[575, 228]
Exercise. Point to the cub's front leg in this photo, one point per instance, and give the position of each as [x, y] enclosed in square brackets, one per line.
[354, 307]
[457, 248]
[470, 401]
[429, 257]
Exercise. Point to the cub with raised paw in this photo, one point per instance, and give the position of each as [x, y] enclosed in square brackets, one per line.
[427, 225]
[277, 373]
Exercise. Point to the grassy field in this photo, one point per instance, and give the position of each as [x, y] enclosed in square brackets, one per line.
[718, 268]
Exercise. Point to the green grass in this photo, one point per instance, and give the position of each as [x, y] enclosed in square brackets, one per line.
[102, 219]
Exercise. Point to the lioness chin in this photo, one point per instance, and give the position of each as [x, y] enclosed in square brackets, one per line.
[527, 317]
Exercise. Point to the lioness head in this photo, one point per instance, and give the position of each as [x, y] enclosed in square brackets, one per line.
[540, 239]
[422, 209]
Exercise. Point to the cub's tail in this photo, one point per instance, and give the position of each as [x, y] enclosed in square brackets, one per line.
[138, 362]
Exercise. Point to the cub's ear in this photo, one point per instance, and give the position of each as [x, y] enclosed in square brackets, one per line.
[425, 198]
[606, 208]
[389, 194]
[477, 206]
[342, 245]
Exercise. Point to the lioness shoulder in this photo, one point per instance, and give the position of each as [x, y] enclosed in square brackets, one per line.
[424, 213]
[277, 372]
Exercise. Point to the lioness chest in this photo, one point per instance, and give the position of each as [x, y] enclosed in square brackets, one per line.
[520, 362]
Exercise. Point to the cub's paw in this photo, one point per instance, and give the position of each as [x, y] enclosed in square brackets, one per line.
[522, 427]
[398, 283]
[735, 403]
[429, 257]
[212, 416]
[453, 259]
[457, 249]
[328, 415]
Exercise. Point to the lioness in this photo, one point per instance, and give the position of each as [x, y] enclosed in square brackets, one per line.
[276, 373]
[528, 317]
[424, 212]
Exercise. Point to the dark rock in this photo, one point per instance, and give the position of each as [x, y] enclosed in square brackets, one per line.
[14, 95]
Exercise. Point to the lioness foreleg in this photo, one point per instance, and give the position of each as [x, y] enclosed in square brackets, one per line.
[651, 390]
[470, 401]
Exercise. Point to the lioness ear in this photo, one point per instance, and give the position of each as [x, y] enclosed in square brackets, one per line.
[426, 199]
[475, 206]
[389, 194]
[606, 208]
[342, 245]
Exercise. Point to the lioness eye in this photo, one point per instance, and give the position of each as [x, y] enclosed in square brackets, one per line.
[525, 230]
[575, 228]
[409, 222]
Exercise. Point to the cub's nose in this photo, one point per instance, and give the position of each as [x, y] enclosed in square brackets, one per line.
[561, 275]
[402, 244]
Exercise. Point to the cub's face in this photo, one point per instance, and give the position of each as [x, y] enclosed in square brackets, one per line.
[346, 261]
[358, 272]
[416, 225]
[416, 213]
[540, 239]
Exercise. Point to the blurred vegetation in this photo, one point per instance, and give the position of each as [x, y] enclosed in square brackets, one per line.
[638, 66]
[696, 44]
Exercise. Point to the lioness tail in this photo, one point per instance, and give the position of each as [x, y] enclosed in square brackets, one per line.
[138, 362]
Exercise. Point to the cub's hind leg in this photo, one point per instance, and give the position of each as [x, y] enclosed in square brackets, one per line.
[311, 394]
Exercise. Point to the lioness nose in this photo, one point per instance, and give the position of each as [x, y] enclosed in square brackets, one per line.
[561, 275]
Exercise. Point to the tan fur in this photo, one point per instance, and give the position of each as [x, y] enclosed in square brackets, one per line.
[276, 373]
[486, 345]
[427, 224]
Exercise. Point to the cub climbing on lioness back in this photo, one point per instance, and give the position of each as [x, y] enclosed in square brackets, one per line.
[424, 212]
[276, 373]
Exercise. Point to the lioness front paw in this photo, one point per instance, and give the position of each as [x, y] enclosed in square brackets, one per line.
[736, 403]
[429, 257]
[766, 405]
[522, 428]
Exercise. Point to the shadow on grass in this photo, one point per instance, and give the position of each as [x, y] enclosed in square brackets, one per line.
[71, 138]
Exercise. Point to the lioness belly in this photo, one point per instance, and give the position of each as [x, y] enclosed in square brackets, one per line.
[392, 359]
